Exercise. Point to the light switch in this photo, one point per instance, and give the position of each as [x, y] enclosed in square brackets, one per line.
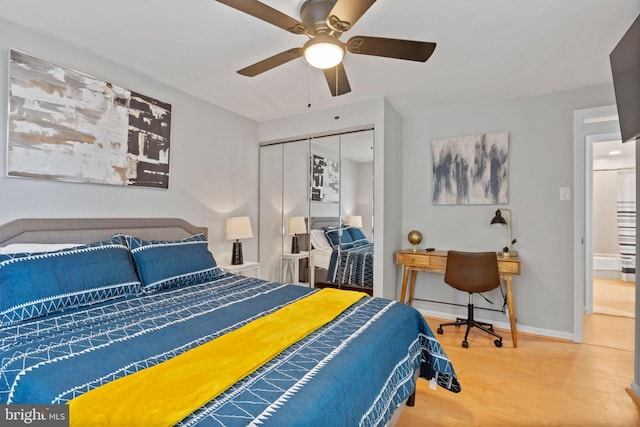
[565, 193]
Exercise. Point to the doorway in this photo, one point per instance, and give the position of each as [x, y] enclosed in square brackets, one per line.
[591, 126]
[612, 289]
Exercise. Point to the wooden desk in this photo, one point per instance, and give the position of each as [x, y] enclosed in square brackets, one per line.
[436, 262]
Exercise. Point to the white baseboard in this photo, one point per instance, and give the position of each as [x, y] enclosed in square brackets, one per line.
[500, 324]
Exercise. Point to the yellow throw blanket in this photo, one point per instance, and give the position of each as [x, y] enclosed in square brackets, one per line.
[164, 394]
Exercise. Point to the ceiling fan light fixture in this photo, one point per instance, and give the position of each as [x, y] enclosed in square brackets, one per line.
[323, 52]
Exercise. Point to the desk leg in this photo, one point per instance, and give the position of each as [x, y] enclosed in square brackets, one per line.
[414, 273]
[405, 276]
[512, 310]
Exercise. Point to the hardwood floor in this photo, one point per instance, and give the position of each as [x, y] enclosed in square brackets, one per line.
[542, 382]
[614, 297]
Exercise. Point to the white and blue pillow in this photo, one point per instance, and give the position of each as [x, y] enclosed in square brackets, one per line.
[40, 283]
[339, 238]
[163, 264]
[357, 236]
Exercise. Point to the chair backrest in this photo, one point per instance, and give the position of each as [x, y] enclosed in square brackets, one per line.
[472, 271]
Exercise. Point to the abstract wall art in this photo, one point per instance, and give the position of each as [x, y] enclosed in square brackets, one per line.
[471, 170]
[68, 126]
[325, 180]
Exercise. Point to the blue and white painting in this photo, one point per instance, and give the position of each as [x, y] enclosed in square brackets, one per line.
[68, 126]
[471, 170]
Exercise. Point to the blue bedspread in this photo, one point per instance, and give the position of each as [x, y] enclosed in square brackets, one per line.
[354, 371]
[353, 266]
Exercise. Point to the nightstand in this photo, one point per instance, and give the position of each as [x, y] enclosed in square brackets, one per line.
[248, 269]
[291, 267]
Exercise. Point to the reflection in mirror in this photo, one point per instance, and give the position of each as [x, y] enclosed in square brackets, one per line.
[270, 221]
[357, 195]
[341, 194]
[284, 168]
[295, 210]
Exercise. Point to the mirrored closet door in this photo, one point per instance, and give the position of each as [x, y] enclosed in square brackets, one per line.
[284, 211]
[341, 196]
[307, 187]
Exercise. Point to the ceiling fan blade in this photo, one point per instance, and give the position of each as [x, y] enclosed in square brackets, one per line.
[391, 48]
[345, 13]
[272, 62]
[337, 80]
[267, 14]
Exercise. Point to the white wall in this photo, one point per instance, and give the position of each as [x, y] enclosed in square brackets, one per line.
[213, 157]
[540, 162]
[364, 198]
[605, 213]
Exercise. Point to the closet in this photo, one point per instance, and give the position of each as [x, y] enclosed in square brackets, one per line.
[328, 176]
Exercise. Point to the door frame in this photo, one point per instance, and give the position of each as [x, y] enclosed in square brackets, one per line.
[590, 125]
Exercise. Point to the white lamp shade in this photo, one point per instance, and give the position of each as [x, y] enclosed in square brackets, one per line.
[297, 225]
[354, 221]
[239, 228]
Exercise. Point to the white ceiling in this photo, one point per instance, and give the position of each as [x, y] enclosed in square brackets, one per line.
[487, 50]
[614, 155]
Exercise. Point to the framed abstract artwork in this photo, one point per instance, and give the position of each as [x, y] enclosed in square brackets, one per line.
[68, 126]
[471, 170]
[325, 179]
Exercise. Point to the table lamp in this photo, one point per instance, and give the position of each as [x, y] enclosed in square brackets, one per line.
[296, 226]
[354, 221]
[499, 221]
[238, 228]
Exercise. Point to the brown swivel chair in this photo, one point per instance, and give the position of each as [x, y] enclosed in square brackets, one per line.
[472, 272]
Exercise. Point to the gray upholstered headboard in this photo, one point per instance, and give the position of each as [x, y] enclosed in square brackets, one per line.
[317, 222]
[88, 230]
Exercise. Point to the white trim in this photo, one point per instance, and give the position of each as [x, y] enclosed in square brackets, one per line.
[502, 325]
[586, 123]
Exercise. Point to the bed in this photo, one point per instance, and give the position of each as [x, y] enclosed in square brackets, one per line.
[131, 322]
[341, 256]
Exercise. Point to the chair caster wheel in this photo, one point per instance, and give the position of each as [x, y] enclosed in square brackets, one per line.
[440, 331]
[465, 344]
[498, 343]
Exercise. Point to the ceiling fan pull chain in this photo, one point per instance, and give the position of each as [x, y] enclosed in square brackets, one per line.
[308, 86]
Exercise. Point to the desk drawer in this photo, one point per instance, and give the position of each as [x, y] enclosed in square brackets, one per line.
[421, 260]
[412, 259]
[509, 267]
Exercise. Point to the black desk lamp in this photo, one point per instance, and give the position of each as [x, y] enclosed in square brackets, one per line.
[499, 221]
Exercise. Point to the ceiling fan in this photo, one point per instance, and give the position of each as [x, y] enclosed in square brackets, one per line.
[323, 22]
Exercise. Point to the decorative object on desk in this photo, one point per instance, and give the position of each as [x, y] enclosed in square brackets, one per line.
[499, 221]
[471, 170]
[238, 227]
[296, 225]
[325, 179]
[354, 221]
[415, 237]
[65, 125]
